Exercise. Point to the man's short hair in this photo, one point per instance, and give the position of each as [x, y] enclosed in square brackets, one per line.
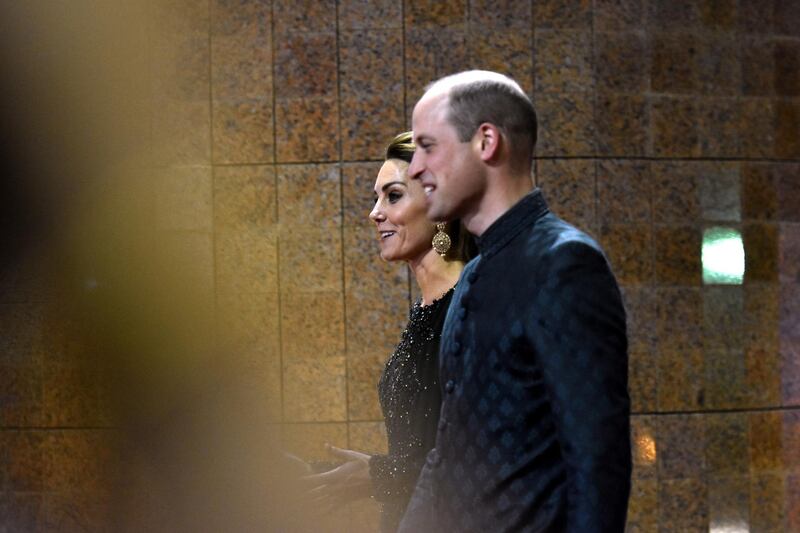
[475, 97]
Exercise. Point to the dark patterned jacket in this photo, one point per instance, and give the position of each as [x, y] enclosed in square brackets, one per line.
[534, 427]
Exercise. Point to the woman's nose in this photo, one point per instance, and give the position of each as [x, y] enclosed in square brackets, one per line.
[376, 214]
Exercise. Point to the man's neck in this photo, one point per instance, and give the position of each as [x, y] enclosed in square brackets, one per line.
[501, 195]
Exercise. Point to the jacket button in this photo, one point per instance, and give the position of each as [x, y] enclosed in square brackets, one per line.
[456, 347]
[442, 424]
[449, 386]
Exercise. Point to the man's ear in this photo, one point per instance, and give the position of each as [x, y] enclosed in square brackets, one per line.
[489, 140]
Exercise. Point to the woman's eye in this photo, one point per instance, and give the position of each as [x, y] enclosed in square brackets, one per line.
[394, 196]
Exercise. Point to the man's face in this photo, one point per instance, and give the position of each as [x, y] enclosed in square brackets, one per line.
[450, 171]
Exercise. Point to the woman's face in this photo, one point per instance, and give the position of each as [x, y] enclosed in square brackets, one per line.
[404, 231]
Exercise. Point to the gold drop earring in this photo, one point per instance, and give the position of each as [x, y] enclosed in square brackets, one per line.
[441, 240]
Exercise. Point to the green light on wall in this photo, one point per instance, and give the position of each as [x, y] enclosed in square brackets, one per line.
[723, 256]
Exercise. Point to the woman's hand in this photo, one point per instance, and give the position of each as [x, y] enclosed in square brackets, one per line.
[347, 482]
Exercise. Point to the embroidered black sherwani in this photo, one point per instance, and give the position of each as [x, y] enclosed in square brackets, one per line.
[534, 427]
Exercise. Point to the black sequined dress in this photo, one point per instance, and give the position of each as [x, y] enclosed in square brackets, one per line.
[410, 397]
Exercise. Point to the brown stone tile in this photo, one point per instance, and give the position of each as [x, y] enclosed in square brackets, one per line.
[180, 53]
[70, 396]
[755, 16]
[756, 127]
[761, 316]
[765, 442]
[791, 440]
[758, 65]
[759, 200]
[358, 182]
[793, 502]
[761, 252]
[363, 374]
[718, 127]
[245, 198]
[369, 437]
[315, 390]
[369, 123]
[719, 65]
[563, 61]
[676, 196]
[310, 259]
[371, 63]
[787, 18]
[763, 377]
[309, 195]
[308, 440]
[720, 191]
[431, 53]
[767, 498]
[430, 13]
[677, 255]
[624, 191]
[23, 460]
[621, 62]
[728, 500]
[789, 372]
[376, 297]
[569, 186]
[629, 248]
[674, 127]
[727, 444]
[504, 51]
[22, 395]
[80, 461]
[723, 310]
[640, 307]
[787, 129]
[370, 14]
[21, 511]
[312, 325]
[305, 65]
[683, 505]
[725, 379]
[643, 380]
[719, 14]
[787, 177]
[247, 262]
[183, 198]
[673, 15]
[307, 129]
[181, 132]
[566, 124]
[622, 125]
[615, 15]
[674, 63]
[241, 76]
[78, 512]
[789, 315]
[680, 380]
[505, 14]
[243, 131]
[562, 14]
[679, 318]
[789, 257]
[643, 506]
[186, 268]
[304, 16]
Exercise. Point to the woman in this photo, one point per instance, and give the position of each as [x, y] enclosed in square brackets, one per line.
[409, 390]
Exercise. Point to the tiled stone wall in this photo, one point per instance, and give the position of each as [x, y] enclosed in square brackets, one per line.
[658, 119]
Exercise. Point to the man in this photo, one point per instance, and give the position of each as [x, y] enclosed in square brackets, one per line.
[534, 429]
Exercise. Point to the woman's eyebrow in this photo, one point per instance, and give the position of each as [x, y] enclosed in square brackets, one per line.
[387, 185]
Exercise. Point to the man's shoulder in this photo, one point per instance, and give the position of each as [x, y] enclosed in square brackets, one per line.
[551, 234]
